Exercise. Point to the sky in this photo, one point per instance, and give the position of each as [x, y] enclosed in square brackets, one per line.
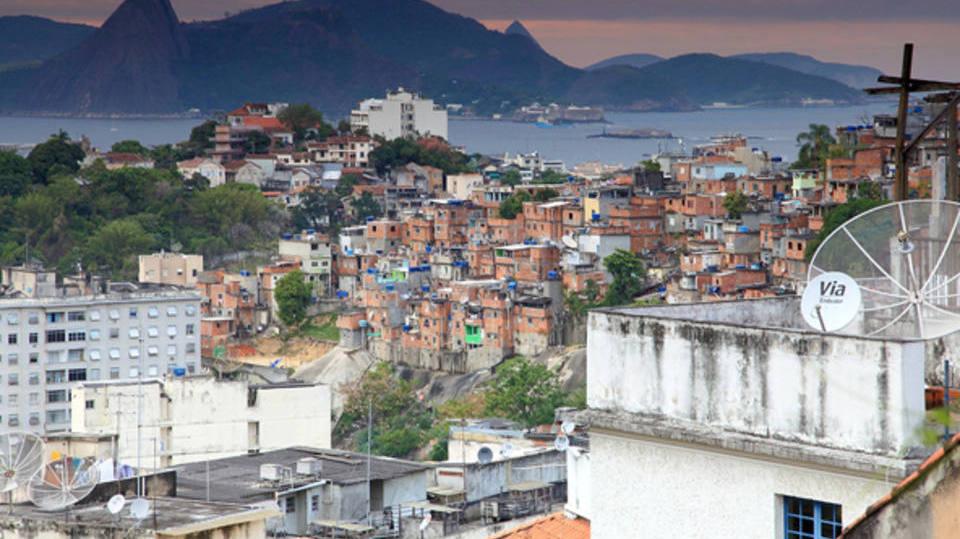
[581, 32]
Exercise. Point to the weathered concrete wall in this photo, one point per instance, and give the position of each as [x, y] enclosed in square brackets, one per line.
[680, 491]
[409, 488]
[486, 480]
[823, 389]
[926, 509]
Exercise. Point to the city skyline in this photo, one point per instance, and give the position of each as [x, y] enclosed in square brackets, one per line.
[581, 33]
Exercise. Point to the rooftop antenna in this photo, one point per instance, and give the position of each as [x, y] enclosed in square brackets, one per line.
[485, 455]
[903, 259]
[21, 457]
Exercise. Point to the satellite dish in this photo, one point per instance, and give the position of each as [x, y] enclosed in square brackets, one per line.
[905, 259]
[561, 443]
[506, 450]
[116, 503]
[63, 482]
[485, 455]
[21, 457]
[830, 301]
[139, 508]
[569, 242]
[568, 427]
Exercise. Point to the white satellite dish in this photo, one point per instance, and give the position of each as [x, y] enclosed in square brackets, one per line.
[139, 508]
[21, 457]
[561, 443]
[506, 450]
[570, 242]
[116, 503]
[831, 301]
[485, 455]
[427, 519]
[905, 259]
[63, 482]
[568, 427]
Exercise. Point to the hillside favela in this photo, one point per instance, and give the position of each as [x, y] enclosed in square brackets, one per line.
[543, 269]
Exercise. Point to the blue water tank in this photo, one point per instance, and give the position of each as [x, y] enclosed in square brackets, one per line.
[552, 275]
[311, 231]
[369, 218]
[429, 248]
[342, 294]
[287, 236]
[743, 228]
[390, 287]
[740, 266]
[244, 273]
[512, 285]
[425, 288]
[406, 328]
[179, 372]
[363, 323]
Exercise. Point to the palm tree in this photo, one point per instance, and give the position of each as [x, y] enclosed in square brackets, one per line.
[814, 146]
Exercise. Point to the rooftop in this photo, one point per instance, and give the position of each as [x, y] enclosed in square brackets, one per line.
[237, 479]
[555, 526]
[173, 517]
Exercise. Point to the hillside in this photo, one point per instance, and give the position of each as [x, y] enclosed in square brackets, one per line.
[708, 78]
[35, 39]
[633, 60]
[855, 76]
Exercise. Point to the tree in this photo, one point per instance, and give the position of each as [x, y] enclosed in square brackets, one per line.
[366, 206]
[257, 142]
[544, 195]
[836, 217]
[396, 153]
[318, 209]
[16, 175]
[344, 127]
[299, 118]
[130, 146]
[524, 391]
[115, 247]
[511, 177]
[513, 205]
[201, 137]
[650, 165]
[735, 203]
[293, 296]
[815, 146]
[628, 275]
[345, 185]
[57, 155]
[870, 190]
[551, 177]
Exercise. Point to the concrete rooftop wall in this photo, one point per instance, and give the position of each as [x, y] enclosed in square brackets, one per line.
[836, 391]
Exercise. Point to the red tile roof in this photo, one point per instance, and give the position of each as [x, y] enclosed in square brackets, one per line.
[555, 526]
[907, 483]
[267, 124]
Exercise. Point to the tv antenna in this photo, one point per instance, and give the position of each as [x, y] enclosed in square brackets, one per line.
[63, 482]
[116, 503]
[904, 259]
[21, 457]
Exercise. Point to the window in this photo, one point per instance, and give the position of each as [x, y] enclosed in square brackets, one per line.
[12, 338]
[153, 370]
[172, 350]
[54, 318]
[189, 329]
[315, 502]
[134, 333]
[134, 352]
[114, 314]
[93, 374]
[77, 336]
[75, 355]
[58, 395]
[152, 331]
[33, 319]
[56, 377]
[190, 310]
[94, 315]
[153, 312]
[56, 416]
[133, 313]
[134, 372]
[153, 351]
[13, 319]
[290, 505]
[56, 335]
[34, 379]
[89, 405]
[172, 331]
[171, 311]
[13, 379]
[94, 335]
[77, 375]
[13, 359]
[114, 354]
[34, 338]
[114, 373]
[191, 348]
[34, 398]
[34, 357]
[114, 333]
[809, 519]
[76, 316]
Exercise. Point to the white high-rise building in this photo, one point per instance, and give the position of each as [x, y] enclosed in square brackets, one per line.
[400, 114]
[52, 337]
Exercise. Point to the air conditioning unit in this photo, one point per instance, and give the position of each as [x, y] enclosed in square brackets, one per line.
[309, 466]
[271, 472]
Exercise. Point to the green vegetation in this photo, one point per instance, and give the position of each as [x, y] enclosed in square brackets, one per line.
[400, 152]
[545, 195]
[650, 165]
[511, 178]
[305, 121]
[525, 392]
[401, 422]
[735, 203]
[628, 275]
[102, 219]
[817, 145]
[130, 146]
[326, 330]
[365, 207]
[293, 297]
[551, 177]
[512, 206]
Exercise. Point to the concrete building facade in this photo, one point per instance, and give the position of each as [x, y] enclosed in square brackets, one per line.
[170, 268]
[401, 114]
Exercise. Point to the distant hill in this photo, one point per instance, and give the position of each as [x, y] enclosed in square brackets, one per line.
[517, 28]
[708, 78]
[855, 76]
[333, 53]
[633, 60]
[35, 39]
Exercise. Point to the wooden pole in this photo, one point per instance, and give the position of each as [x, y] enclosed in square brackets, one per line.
[900, 181]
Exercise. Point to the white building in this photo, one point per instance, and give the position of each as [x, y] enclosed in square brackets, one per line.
[198, 418]
[53, 340]
[401, 114]
[214, 172]
[315, 255]
[723, 420]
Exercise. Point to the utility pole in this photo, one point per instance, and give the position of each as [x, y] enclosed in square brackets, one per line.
[900, 181]
[369, 446]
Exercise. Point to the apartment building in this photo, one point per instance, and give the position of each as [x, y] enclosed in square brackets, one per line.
[56, 336]
[315, 255]
[401, 114]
